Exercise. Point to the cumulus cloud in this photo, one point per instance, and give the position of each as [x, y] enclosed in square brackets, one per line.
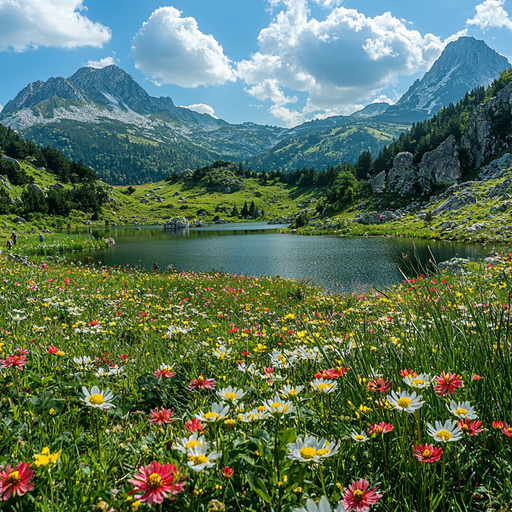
[102, 63]
[341, 61]
[490, 14]
[28, 24]
[173, 49]
[202, 108]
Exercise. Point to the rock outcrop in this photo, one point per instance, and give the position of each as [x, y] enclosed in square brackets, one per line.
[177, 223]
[455, 203]
[441, 164]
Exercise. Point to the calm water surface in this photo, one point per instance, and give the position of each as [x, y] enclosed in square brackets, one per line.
[336, 263]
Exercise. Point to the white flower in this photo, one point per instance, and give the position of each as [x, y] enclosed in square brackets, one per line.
[254, 415]
[360, 437]
[311, 449]
[421, 381]
[278, 407]
[199, 461]
[218, 412]
[462, 410]
[176, 330]
[96, 398]
[279, 360]
[322, 506]
[324, 386]
[187, 444]
[230, 394]
[449, 432]
[404, 401]
[222, 352]
[83, 361]
[291, 391]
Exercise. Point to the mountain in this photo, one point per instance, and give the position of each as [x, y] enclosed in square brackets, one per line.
[106, 119]
[463, 65]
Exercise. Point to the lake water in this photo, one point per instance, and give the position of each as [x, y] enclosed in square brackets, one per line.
[336, 263]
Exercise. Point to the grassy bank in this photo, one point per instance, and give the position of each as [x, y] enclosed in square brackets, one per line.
[168, 347]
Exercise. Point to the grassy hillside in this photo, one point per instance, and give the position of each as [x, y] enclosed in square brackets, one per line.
[328, 147]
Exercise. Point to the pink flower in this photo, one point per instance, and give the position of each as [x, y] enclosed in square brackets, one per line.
[15, 481]
[380, 428]
[165, 373]
[155, 482]
[160, 416]
[14, 361]
[427, 452]
[448, 383]
[193, 425]
[358, 497]
[202, 383]
[507, 430]
[471, 428]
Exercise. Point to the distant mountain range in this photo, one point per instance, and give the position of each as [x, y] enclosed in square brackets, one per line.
[106, 119]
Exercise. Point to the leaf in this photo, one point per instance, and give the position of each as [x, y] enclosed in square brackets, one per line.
[287, 436]
[258, 487]
[262, 434]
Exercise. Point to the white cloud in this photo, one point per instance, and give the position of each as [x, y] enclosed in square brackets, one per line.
[490, 14]
[28, 24]
[344, 60]
[202, 108]
[383, 99]
[102, 63]
[173, 49]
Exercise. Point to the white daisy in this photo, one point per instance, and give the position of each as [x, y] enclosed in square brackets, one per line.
[405, 402]
[419, 382]
[462, 410]
[98, 398]
[449, 432]
[324, 386]
[230, 394]
[198, 460]
[322, 506]
[277, 406]
[291, 391]
[312, 450]
[218, 412]
[187, 444]
[360, 437]
[254, 415]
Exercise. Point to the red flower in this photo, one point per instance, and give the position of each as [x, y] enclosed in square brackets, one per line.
[202, 383]
[228, 472]
[448, 383]
[507, 430]
[332, 373]
[160, 416]
[427, 452]
[14, 361]
[471, 428]
[143, 314]
[498, 425]
[93, 323]
[476, 377]
[165, 373]
[15, 481]
[193, 425]
[124, 358]
[53, 349]
[358, 497]
[380, 428]
[156, 482]
[407, 373]
[379, 384]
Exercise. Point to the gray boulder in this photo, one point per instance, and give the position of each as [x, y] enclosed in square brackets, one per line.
[369, 218]
[453, 265]
[501, 188]
[221, 221]
[455, 203]
[441, 164]
[492, 261]
[177, 223]
[448, 225]
[403, 176]
[475, 227]
[33, 186]
[378, 182]
[20, 220]
[227, 190]
[58, 186]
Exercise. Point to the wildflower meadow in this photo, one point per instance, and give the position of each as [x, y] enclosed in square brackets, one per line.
[129, 390]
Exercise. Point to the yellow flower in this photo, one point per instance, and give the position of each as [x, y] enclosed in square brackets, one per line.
[46, 457]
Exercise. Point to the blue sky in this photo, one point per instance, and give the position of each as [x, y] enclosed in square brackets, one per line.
[277, 62]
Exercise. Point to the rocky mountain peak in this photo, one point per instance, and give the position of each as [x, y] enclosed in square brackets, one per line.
[463, 65]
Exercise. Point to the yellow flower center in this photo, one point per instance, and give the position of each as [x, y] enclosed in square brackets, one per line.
[154, 481]
[192, 444]
[200, 379]
[321, 387]
[292, 392]
[404, 403]
[14, 478]
[359, 437]
[417, 382]
[212, 416]
[358, 496]
[199, 459]
[96, 399]
[426, 454]
[444, 435]
[307, 452]
[276, 405]
[261, 408]
[460, 412]
[323, 451]
[231, 396]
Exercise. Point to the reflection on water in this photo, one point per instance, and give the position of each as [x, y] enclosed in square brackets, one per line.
[336, 263]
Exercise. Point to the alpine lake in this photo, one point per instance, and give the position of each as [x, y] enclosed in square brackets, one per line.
[335, 263]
